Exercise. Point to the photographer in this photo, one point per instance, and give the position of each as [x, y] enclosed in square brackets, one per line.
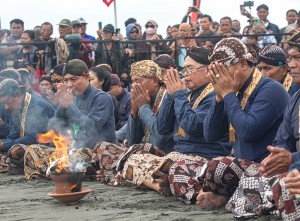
[26, 56]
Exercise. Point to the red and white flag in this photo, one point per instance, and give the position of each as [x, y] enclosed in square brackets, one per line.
[108, 2]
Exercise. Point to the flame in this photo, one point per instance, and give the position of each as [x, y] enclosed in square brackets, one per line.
[73, 186]
[61, 149]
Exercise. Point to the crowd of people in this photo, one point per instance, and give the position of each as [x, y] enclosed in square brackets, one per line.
[208, 115]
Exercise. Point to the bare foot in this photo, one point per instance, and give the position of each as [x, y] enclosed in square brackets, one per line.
[209, 200]
[100, 175]
[119, 180]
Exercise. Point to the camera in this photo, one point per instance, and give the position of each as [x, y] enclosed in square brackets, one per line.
[118, 33]
[194, 9]
[249, 4]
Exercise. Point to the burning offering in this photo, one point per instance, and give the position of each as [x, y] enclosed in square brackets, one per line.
[66, 169]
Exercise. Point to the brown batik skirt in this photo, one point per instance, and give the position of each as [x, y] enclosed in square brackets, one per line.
[13, 161]
[110, 158]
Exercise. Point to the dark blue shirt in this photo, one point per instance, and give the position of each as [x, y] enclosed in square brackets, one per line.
[124, 108]
[256, 125]
[146, 120]
[293, 89]
[38, 114]
[90, 37]
[93, 114]
[5, 115]
[288, 133]
[176, 111]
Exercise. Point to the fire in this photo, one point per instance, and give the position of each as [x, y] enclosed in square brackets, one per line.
[61, 149]
[73, 186]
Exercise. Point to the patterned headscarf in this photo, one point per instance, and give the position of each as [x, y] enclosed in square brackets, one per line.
[75, 67]
[294, 40]
[7, 86]
[229, 50]
[10, 73]
[272, 55]
[147, 69]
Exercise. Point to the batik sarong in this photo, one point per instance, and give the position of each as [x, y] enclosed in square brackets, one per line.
[254, 196]
[287, 204]
[110, 158]
[220, 176]
[13, 161]
[151, 167]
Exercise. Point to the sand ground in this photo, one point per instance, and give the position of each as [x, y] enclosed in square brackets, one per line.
[27, 200]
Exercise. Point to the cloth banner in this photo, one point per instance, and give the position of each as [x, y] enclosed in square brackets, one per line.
[108, 2]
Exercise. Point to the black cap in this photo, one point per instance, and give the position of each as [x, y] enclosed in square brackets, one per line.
[109, 28]
[199, 55]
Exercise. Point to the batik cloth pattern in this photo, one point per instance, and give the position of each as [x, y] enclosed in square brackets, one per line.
[153, 168]
[254, 196]
[185, 179]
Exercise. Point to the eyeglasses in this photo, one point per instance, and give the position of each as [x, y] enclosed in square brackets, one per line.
[132, 32]
[56, 81]
[149, 26]
[193, 29]
[187, 71]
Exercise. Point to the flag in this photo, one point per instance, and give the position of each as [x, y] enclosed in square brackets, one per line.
[108, 2]
[194, 15]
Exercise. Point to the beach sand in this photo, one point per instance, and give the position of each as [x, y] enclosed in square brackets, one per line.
[27, 200]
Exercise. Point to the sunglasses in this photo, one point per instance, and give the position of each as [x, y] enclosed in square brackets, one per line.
[132, 32]
[149, 26]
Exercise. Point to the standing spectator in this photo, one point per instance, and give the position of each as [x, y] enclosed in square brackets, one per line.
[174, 33]
[4, 34]
[149, 50]
[291, 18]
[106, 52]
[83, 23]
[84, 47]
[215, 26]
[132, 33]
[263, 40]
[184, 31]
[225, 27]
[206, 23]
[72, 40]
[130, 21]
[26, 56]
[46, 50]
[9, 52]
[262, 13]
[236, 25]
[252, 40]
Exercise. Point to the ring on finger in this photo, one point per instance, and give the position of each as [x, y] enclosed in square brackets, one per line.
[218, 76]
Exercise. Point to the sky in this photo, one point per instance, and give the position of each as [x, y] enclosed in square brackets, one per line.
[165, 12]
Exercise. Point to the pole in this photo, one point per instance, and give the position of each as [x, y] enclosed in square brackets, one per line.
[115, 12]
